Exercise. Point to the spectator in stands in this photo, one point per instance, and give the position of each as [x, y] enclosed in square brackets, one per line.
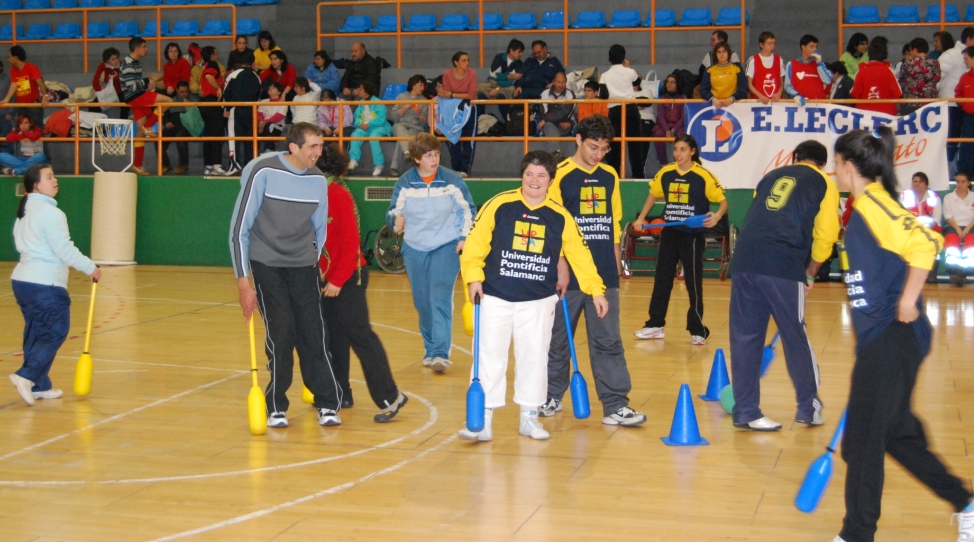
[362, 67]
[172, 126]
[197, 72]
[270, 117]
[807, 76]
[907, 56]
[175, 69]
[959, 215]
[942, 41]
[461, 82]
[919, 76]
[592, 105]
[281, 71]
[923, 202]
[539, 71]
[620, 82]
[724, 82]
[329, 116]
[768, 69]
[718, 36]
[407, 121]
[323, 73]
[370, 121]
[305, 91]
[951, 68]
[6, 114]
[139, 93]
[669, 117]
[875, 80]
[505, 70]
[108, 73]
[243, 85]
[28, 135]
[965, 89]
[841, 82]
[262, 54]
[557, 120]
[856, 52]
[211, 90]
[27, 83]
[239, 54]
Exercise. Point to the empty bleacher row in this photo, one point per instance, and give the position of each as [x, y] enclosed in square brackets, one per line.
[13, 5]
[907, 14]
[129, 29]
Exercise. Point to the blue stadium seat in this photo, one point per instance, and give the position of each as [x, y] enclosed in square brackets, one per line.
[126, 29]
[205, 2]
[731, 17]
[969, 14]
[6, 34]
[696, 17]
[38, 32]
[91, 3]
[176, 2]
[391, 91]
[903, 14]
[590, 19]
[664, 17]
[67, 31]
[386, 23]
[520, 21]
[37, 4]
[236, 2]
[452, 22]
[148, 2]
[98, 30]
[149, 30]
[493, 21]
[357, 23]
[65, 4]
[552, 19]
[862, 15]
[420, 23]
[120, 3]
[10, 5]
[260, 2]
[628, 18]
[185, 28]
[217, 27]
[248, 27]
[933, 14]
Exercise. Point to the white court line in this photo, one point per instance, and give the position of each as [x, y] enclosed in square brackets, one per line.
[323, 493]
[161, 364]
[460, 348]
[124, 371]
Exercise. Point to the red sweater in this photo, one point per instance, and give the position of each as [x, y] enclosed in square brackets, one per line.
[172, 74]
[102, 74]
[286, 79]
[875, 81]
[965, 89]
[342, 256]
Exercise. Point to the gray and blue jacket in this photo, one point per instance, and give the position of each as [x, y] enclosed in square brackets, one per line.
[437, 213]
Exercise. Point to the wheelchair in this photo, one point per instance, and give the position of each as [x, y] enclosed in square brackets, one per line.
[385, 250]
[717, 253]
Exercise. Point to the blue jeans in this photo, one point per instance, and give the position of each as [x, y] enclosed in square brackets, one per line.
[20, 164]
[47, 317]
[432, 275]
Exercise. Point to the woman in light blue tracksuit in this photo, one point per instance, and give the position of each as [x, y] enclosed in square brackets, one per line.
[433, 208]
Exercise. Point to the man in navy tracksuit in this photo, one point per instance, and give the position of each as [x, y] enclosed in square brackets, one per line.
[794, 213]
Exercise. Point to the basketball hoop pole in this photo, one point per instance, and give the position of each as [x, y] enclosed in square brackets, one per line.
[113, 139]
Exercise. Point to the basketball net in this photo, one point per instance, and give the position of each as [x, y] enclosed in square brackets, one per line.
[112, 136]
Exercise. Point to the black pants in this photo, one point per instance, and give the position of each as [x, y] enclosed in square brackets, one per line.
[213, 126]
[243, 125]
[880, 421]
[182, 147]
[347, 316]
[270, 130]
[289, 299]
[679, 246]
[635, 150]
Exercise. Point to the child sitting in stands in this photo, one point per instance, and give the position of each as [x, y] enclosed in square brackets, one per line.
[28, 135]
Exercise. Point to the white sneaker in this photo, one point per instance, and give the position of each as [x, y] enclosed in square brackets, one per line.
[531, 427]
[352, 164]
[486, 435]
[234, 170]
[761, 424]
[277, 419]
[625, 416]
[49, 394]
[376, 171]
[427, 362]
[440, 365]
[208, 170]
[23, 387]
[218, 170]
[697, 340]
[816, 417]
[965, 526]
[838, 539]
[328, 417]
[549, 409]
[649, 333]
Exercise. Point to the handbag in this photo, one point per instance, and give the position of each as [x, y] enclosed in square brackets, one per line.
[107, 95]
[651, 84]
[192, 120]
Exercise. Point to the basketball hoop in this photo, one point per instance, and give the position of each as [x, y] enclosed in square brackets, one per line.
[113, 135]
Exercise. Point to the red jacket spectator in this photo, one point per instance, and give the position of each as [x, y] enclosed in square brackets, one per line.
[342, 256]
[285, 78]
[965, 89]
[875, 80]
[104, 74]
[174, 72]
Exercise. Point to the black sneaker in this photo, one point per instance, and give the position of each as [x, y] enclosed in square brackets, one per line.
[328, 417]
[388, 413]
[625, 416]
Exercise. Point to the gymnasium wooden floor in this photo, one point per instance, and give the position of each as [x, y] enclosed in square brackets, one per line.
[160, 450]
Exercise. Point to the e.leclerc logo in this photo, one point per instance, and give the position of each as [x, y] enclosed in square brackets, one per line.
[718, 133]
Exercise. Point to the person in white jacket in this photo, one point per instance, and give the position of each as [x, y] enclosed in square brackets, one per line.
[951, 68]
[305, 91]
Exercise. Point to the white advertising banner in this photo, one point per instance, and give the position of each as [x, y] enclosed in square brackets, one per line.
[743, 142]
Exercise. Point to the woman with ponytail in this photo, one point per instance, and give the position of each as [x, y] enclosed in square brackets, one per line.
[40, 281]
[687, 189]
[889, 253]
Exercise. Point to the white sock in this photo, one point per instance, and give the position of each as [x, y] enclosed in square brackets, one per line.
[531, 412]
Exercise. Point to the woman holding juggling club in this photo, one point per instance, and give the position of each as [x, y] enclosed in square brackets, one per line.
[888, 254]
[40, 281]
[510, 260]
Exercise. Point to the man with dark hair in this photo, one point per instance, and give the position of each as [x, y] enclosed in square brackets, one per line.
[765, 71]
[589, 190]
[807, 76]
[407, 121]
[841, 82]
[505, 70]
[139, 93]
[794, 214]
[277, 233]
[362, 67]
[620, 82]
[172, 126]
[243, 85]
[539, 72]
[27, 83]
[710, 59]
[556, 120]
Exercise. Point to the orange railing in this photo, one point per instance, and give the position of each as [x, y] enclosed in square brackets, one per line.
[480, 33]
[85, 40]
[941, 25]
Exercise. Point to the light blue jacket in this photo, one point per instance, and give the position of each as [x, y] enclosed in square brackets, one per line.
[379, 124]
[436, 214]
[45, 246]
[326, 78]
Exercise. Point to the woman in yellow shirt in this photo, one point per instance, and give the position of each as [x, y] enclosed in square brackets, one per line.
[262, 54]
[723, 83]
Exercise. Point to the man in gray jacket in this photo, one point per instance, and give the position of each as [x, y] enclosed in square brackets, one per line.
[408, 120]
